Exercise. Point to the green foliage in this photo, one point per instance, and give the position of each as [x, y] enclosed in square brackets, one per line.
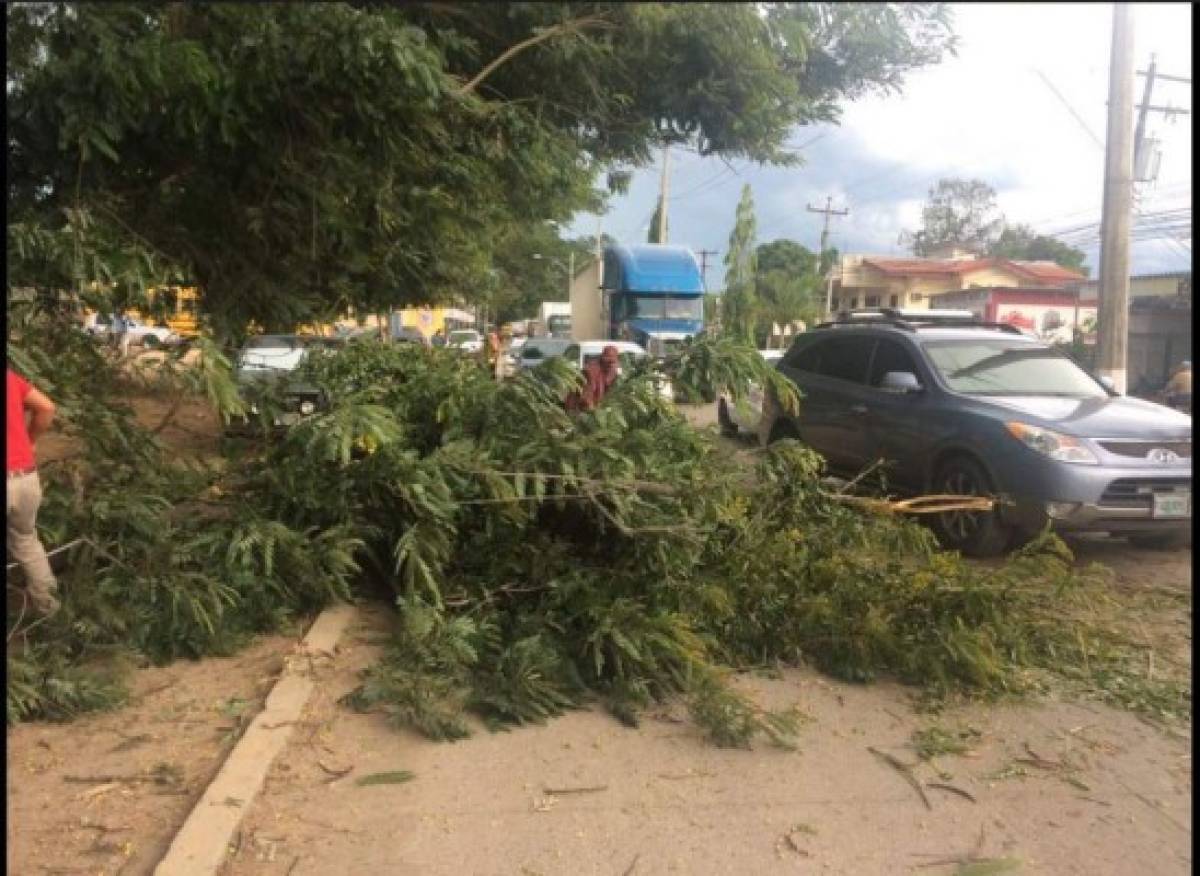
[960, 212]
[294, 159]
[174, 561]
[739, 301]
[732, 722]
[1020, 242]
[789, 284]
[539, 560]
[935, 741]
[618, 555]
[44, 685]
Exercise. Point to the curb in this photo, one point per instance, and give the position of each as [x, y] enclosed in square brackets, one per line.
[201, 845]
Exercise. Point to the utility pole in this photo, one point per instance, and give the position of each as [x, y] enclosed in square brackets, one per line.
[704, 254]
[828, 211]
[1139, 134]
[662, 196]
[1144, 168]
[1112, 330]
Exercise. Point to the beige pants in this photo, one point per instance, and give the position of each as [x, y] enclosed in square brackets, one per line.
[24, 498]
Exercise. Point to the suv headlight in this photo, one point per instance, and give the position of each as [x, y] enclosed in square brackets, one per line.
[1055, 445]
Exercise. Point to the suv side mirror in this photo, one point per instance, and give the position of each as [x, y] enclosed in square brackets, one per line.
[902, 382]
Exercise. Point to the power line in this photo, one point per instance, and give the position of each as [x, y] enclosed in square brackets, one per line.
[1066, 103]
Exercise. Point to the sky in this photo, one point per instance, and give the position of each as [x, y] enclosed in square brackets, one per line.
[1022, 107]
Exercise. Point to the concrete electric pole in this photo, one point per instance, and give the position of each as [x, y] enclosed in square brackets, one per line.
[662, 197]
[704, 254]
[1113, 315]
[828, 211]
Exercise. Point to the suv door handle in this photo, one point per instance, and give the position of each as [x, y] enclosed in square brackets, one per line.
[858, 410]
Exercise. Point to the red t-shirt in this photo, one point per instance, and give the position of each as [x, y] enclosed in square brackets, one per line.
[20, 448]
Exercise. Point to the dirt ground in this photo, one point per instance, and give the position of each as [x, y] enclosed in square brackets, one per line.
[1058, 787]
[106, 793]
[1061, 788]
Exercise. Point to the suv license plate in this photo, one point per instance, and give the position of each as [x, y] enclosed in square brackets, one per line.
[1172, 505]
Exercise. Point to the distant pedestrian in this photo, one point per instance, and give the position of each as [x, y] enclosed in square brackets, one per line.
[501, 363]
[24, 494]
[599, 375]
[439, 338]
[121, 329]
[1178, 391]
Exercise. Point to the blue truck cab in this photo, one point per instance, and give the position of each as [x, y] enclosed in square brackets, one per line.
[655, 295]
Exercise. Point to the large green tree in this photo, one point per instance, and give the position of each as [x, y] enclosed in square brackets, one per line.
[960, 212]
[295, 158]
[788, 284]
[1023, 243]
[740, 301]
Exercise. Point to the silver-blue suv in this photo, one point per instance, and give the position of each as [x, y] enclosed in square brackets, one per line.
[955, 405]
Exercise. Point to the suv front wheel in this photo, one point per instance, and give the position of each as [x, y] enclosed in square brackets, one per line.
[972, 533]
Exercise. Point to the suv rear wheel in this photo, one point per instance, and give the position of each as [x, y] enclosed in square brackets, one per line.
[973, 533]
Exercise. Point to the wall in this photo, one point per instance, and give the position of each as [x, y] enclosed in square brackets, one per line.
[1166, 285]
[587, 311]
[1158, 341]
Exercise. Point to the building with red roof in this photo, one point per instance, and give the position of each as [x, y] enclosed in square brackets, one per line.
[909, 283]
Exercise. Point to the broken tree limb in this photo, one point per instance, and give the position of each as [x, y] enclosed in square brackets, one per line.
[904, 770]
[953, 790]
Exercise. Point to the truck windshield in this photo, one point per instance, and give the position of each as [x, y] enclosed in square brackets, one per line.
[559, 323]
[1005, 368]
[664, 307]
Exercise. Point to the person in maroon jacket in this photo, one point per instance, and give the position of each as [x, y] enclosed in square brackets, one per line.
[599, 376]
[24, 493]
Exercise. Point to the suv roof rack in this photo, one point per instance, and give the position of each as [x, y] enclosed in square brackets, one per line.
[911, 320]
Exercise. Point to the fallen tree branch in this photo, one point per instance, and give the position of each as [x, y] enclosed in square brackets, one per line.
[904, 770]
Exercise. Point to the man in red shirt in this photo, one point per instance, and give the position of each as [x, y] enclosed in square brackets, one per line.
[24, 494]
[599, 376]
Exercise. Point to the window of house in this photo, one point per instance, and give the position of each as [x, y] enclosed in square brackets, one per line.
[871, 301]
[853, 303]
[894, 301]
[890, 356]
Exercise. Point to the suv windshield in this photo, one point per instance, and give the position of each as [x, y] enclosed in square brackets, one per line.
[999, 367]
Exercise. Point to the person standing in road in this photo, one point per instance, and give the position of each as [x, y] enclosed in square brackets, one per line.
[504, 340]
[599, 376]
[24, 494]
[1179, 388]
[120, 328]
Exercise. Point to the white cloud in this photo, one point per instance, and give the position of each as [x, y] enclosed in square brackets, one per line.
[991, 113]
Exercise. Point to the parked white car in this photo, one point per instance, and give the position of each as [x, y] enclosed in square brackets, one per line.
[535, 351]
[466, 340]
[579, 353]
[100, 325]
[747, 413]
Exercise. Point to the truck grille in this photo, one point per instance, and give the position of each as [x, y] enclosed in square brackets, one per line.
[1139, 449]
[1136, 492]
